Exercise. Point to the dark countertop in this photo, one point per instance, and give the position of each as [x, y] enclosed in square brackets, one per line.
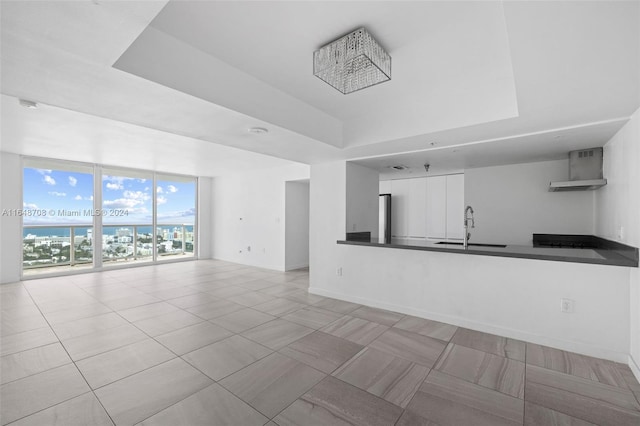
[599, 256]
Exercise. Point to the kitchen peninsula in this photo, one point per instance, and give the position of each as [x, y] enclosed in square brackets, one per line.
[595, 251]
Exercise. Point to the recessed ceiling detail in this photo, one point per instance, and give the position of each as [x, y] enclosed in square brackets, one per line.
[201, 70]
[449, 71]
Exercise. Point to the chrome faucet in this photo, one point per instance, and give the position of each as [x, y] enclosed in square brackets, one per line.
[467, 234]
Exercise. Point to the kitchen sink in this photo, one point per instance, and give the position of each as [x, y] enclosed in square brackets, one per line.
[473, 244]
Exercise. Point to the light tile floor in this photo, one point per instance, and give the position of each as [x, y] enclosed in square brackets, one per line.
[215, 343]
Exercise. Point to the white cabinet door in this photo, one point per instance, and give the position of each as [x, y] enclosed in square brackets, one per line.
[399, 207]
[437, 207]
[455, 207]
[385, 187]
[417, 208]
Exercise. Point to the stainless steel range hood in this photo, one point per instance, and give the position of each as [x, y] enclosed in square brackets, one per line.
[585, 172]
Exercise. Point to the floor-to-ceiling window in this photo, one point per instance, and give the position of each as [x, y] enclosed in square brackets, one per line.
[125, 216]
[176, 215]
[57, 216]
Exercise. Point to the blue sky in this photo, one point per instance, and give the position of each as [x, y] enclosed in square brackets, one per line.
[126, 200]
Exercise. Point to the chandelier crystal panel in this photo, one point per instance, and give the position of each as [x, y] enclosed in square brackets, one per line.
[352, 62]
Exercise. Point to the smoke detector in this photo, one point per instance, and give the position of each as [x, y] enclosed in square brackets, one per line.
[27, 104]
[258, 130]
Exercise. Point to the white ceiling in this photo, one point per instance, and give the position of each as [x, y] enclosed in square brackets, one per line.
[512, 76]
[53, 132]
[448, 69]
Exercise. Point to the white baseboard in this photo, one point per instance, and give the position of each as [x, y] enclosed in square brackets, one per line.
[297, 266]
[635, 368]
[566, 345]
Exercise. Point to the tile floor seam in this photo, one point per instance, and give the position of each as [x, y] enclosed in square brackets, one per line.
[230, 374]
[288, 283]
[176, 403]
[524, 384]
[137, 372]
[34, 347]
[161, 410]
[605, 403]
[255, 408]
[35, 374]
[74, 364]
[58, 403]
[610, 387]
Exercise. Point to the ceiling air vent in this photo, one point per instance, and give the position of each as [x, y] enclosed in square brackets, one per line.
[399, 167]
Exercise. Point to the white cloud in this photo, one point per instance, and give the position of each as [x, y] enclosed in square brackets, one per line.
[78, 197]
[161, 200]
[48, 180]
[177, 214]
[132, 201]
[44, 171]
[29, 206]
[159, 190]
[137, 195]
[113, 186]
[72, 181]
[57, 194]
[114, 182]
[90, 198]
[122, 203]
[172, 188]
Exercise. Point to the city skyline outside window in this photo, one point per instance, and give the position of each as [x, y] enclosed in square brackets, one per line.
[57, 215]
[176, 203]
[59, 210]
[127, 216]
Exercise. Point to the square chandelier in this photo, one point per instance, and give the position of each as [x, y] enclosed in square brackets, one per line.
[352, 62]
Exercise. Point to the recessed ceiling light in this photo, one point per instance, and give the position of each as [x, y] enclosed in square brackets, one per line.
[258, 130]
[28, 104]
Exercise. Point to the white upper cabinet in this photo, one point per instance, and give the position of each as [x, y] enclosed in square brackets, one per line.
[437, 207]
[417, 207]
[429, 207]
[399, 208]
[455, 207]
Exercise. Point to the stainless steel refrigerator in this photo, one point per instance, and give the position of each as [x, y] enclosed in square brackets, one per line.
[384, 218]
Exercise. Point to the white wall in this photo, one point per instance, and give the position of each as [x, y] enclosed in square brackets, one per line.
[10, 198]
[328, 203]
[618, 212]
[518, 298]
[512, 202]
[204, 217]
[248, 210]
[362, 186]
[296, 225]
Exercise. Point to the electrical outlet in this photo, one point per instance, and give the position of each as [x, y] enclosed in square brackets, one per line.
[353, 228]
[249, 248]
[339, 272]
[567, 306]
